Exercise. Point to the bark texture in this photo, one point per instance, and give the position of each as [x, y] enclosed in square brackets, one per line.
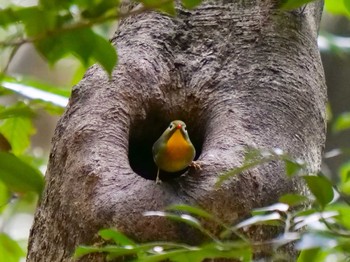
[239, 73]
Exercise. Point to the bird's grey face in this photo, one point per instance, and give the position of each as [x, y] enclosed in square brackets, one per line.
[174, 125]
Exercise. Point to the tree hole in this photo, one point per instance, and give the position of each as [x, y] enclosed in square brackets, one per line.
[144, 132]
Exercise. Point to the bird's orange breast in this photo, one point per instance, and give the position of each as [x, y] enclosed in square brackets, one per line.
[177, 147]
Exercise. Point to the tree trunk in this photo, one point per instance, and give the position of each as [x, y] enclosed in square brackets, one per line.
[239, 74]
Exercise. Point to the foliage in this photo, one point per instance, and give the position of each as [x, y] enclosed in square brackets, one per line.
[61, 28]
[319, 232]
[339, 7]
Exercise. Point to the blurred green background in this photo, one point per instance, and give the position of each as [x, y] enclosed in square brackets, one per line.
[33, 125]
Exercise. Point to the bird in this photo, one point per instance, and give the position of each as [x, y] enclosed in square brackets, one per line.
[173, 151]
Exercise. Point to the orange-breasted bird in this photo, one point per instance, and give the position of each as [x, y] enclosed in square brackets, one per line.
[173, 151]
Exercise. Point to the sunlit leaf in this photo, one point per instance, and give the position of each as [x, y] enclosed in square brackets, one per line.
[345, 178]
[48, 107]
[314, 240]
[190, 209]
[321, 188]
[116, 250]
[17, 131]
[342, 122]
[84, 44]
[292, 167]
[183, 218]
[94, 9]
[10, 251]
[116, 236]
[187, 219]
[333, 153]
[57, 4]
[249, 163]
[165, 6]
[260, 219]
[37, 84]
[17, 110]
[105, 54]
[18, 176]
[4, 196]
[281, 207]
[190, 4]
[343, 211]
[256, 157]
[312, 218]
[337, 7]
[8, 16]
[311, 255]
[33, 90]
[293, 199]
[285, 238]
[37, 20]
[238, 250]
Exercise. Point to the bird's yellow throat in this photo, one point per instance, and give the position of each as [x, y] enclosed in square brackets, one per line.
[177, 145]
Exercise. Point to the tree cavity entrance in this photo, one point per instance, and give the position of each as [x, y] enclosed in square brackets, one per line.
[143, 134]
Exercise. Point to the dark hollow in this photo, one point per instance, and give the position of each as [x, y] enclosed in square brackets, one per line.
[143, 134]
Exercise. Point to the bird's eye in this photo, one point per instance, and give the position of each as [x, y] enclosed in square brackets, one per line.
[185, 128]
[171, 126]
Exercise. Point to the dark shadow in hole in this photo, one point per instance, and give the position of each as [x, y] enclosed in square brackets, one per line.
[143, 134]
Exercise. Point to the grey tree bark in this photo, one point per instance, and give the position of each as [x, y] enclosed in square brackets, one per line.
[239, 73]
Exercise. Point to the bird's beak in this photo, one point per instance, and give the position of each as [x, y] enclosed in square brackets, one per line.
[178, 126]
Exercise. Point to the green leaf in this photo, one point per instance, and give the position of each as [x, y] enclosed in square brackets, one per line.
[280, 207]
[310, 255]
[273, 218]
[190, 209]
[57, 4]
[237, 249]
[293, 4]
[316, 240]
[168, 8]
[343, 211]
[18, 176]
[184, 218]
[10, 251]
[187, 219]
[118, 237]
[337, 7]
[345, 178]
[94, 9]
[105, 54]
[17, 131]
[301, 221]
[4, 196]
[84, 44]
[253, 158]
[85, 250]
[342, 122]
[4, 144]
[293, 199]
[292, 167]
[190, 4]
[46, 106]
[18, 110]
[8, 16]
[37, 90]
[347, 5]
[37, 20]
[321, 188]
[26, 82]
[165, 6]
[118, 251]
